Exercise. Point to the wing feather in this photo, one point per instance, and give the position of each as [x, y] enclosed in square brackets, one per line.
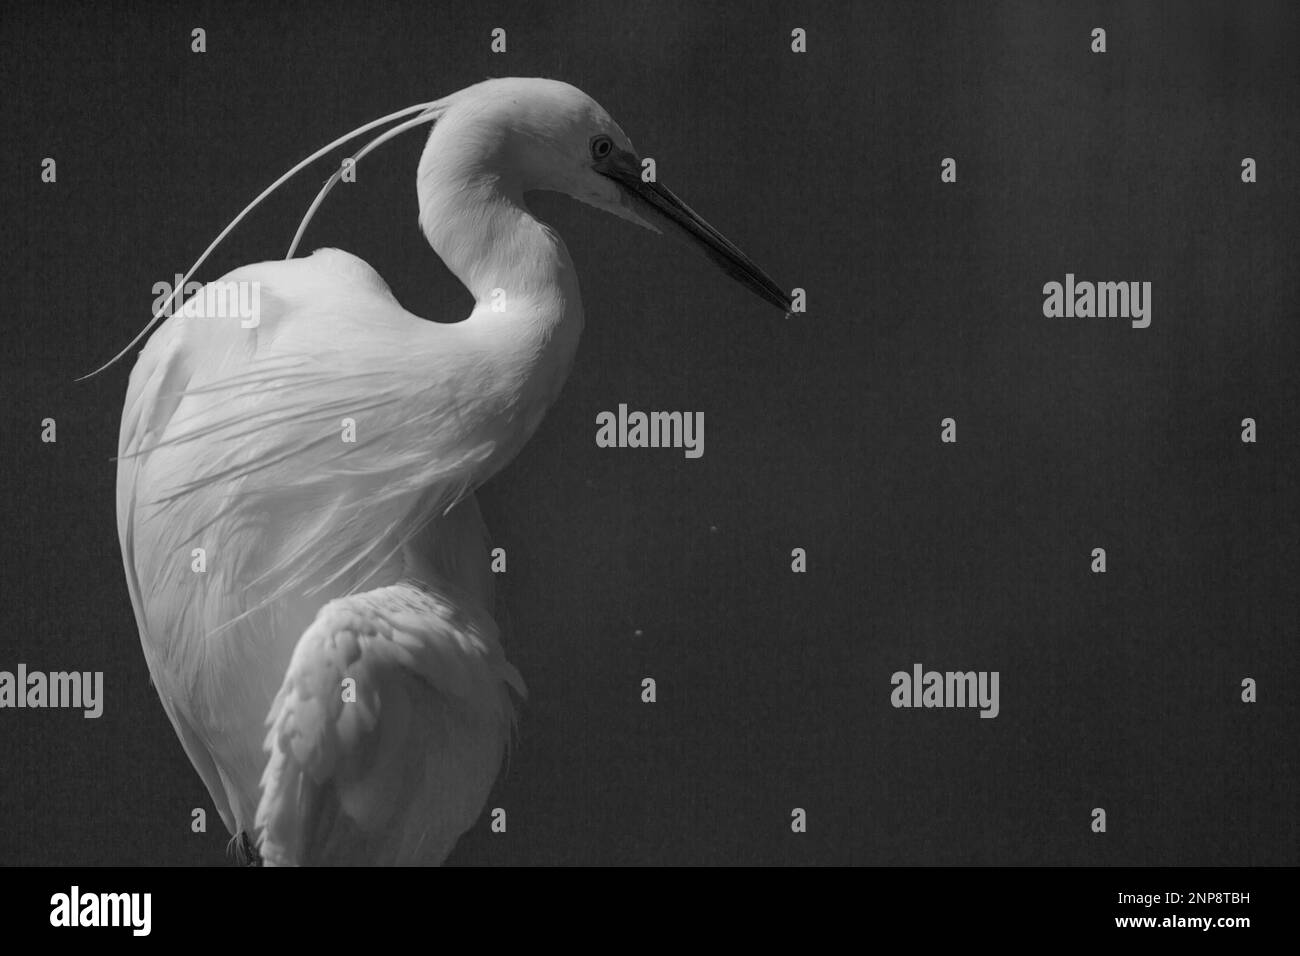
[394, 768]
[232, 441]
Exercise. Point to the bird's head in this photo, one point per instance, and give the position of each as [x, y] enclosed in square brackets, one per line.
[546, 134]
[557, 138]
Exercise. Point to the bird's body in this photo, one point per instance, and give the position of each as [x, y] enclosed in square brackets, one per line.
[243, 433]
[329, 659]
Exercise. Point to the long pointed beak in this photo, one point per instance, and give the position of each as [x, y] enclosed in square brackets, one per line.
[661, 206]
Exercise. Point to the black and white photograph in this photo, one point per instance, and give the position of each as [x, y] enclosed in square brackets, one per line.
[643, 435]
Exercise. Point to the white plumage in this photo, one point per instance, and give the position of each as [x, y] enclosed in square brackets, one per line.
[365, 562]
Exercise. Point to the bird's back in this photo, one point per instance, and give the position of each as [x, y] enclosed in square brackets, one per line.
[310, 455]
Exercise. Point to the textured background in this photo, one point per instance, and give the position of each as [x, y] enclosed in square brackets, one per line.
[822, 431]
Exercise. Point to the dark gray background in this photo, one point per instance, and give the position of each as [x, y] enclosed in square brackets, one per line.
[1118, 690]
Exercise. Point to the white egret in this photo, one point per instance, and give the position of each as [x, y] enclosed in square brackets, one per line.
[329, 659]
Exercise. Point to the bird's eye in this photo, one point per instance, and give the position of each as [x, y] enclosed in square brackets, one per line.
[601, 146]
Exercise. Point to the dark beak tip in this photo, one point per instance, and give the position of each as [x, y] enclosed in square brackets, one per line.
[664, 204]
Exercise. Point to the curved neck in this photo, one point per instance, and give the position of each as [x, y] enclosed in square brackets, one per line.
[472, 213]
[528, 314]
